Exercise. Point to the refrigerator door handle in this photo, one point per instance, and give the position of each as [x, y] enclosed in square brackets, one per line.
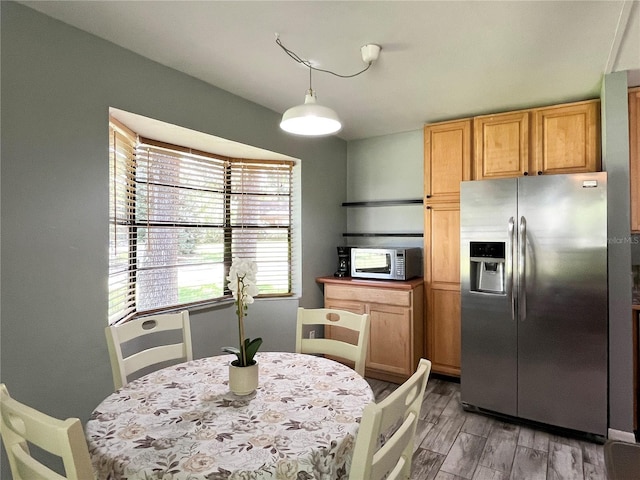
[509, 265]
[522, 288]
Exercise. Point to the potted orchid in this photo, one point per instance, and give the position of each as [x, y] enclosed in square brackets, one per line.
[243, 371]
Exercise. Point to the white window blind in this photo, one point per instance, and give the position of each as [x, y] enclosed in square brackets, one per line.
[122, 274]
[188, 214]
[260, 220]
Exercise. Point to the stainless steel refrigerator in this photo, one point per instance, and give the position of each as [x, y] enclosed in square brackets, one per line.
[534, 298]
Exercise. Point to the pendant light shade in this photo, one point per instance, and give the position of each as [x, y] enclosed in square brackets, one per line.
[310, 119]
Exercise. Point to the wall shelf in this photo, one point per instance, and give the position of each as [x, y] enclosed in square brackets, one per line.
[383, 203]
[382, 235]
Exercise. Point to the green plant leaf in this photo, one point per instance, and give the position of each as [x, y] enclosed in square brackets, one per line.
[235, 351]
[251, 347]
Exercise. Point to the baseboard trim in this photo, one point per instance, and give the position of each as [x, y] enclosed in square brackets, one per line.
[621, 435]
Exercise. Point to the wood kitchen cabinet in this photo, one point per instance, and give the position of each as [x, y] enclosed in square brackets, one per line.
[557, 139]
[635, 321]
[442, 240]
[501, 145]
[634, 156]
[447, 162]
[442, 286]
[397, 322]
[566, 138]
[447, 159]
[444, 328]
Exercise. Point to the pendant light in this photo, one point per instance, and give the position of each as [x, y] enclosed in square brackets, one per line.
[312, 119]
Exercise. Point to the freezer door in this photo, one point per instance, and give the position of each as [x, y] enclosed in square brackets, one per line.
[562, 326]
[489, 365]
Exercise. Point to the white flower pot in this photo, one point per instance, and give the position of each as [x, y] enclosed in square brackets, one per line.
[243, 380]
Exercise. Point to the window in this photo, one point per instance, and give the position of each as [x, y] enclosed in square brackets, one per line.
[179, 216]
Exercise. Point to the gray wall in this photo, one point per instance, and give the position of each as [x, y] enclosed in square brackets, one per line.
[615, 160]
[388, 167]
[57, 86]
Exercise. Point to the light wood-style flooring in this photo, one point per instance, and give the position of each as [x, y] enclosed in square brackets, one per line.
[452, 444]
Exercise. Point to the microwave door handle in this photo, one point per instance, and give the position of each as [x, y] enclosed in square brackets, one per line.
[509, 265]
[522, 274]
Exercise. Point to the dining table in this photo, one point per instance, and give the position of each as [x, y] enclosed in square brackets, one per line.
[182, 422]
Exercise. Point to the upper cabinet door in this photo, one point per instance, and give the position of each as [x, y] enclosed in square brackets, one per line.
[634, 156]
[566, 138]
[447, 159]
[501, 145]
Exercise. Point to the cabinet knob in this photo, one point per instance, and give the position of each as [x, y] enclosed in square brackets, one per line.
[427, 196]
[539, 173]
[526, 173]
[428, 207]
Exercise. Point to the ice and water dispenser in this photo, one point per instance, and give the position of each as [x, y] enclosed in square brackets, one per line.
[487, 267]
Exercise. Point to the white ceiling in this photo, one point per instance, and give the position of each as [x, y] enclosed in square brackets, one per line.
[440, 60]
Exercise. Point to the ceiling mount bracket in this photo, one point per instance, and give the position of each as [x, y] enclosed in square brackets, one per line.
[370, 52]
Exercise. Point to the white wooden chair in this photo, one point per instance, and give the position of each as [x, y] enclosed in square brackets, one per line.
[359, 323]
[139, 328]
[21, 425]
[397, 413]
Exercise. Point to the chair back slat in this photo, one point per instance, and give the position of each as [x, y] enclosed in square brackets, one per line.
[28, 467]
[330, 347]
[153, 356]
[389, 456]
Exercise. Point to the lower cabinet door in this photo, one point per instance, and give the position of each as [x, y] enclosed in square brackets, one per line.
[390, 339]
[392, 346]
[443, 332]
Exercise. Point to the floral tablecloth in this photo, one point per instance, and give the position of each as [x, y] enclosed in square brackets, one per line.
[182, 422]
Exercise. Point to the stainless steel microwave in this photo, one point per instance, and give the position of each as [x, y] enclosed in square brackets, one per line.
[386, 263]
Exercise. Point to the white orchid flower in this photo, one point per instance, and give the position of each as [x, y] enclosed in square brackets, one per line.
[242, 284]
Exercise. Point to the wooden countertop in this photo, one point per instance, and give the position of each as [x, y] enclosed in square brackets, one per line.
[397, 284]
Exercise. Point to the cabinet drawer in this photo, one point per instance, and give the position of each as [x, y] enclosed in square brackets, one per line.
[368, 295]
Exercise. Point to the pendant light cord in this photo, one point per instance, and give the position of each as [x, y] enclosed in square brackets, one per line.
[298, 59]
